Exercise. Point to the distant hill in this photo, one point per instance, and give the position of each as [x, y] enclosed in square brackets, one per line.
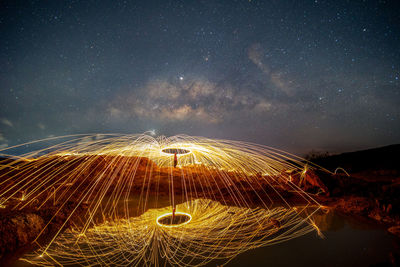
[382, 158]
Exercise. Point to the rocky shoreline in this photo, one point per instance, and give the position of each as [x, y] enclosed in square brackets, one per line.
[361, 196]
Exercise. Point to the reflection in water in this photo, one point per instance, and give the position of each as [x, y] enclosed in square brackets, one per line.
[347, 242]
[215, 231]
[327, 220]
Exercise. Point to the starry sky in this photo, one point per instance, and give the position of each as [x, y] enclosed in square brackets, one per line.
[295, 75]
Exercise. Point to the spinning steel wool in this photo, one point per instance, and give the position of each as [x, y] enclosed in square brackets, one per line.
[121, 201]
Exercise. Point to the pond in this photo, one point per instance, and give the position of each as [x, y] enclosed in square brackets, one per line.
[346, 242]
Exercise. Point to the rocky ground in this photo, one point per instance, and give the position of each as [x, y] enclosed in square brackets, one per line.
[19, 229]
[364, 184]
[355, 196]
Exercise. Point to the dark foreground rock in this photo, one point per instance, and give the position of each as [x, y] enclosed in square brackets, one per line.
[23, 230]
[18, 230]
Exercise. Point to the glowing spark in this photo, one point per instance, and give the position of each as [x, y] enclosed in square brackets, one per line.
[320, 234]
[118, 192]
[2, 201]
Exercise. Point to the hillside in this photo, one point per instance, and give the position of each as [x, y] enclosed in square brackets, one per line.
[382, 161]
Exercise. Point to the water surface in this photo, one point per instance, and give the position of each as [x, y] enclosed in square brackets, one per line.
[347, 242]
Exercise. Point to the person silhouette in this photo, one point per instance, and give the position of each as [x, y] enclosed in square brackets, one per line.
[175, 160]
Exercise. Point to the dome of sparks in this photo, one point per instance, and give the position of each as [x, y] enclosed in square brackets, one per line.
[140, 200]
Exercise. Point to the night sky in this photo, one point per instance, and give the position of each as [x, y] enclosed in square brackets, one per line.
[295, 75]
